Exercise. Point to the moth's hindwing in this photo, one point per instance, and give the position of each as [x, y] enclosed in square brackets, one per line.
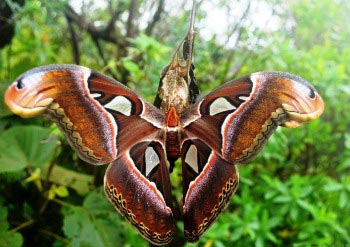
[138, 185]
[208, 184]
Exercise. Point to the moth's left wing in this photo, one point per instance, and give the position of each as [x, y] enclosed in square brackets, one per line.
[230, 126]
[104, 122]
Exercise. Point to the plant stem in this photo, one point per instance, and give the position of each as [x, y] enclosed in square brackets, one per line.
[23, 225]
[54, 235]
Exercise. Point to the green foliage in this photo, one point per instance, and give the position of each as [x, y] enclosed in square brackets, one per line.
[25, 146]
[154, 57]
[4, 111]
[295, 193]
[95, 223]
[8, 238]
[269, 211]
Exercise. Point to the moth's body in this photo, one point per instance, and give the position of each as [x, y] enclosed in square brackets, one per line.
[174, 97]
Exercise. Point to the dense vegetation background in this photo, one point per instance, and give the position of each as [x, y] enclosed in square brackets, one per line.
[295, 193]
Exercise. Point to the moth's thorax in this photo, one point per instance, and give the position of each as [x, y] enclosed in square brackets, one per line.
[174, 91]
[172, 135]
[172, 118]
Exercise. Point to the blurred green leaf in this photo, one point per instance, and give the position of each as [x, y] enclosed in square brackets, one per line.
[60, 191]
[4, 110]
[95, 223]
[81, 183]
[26, 146]
[133, 68]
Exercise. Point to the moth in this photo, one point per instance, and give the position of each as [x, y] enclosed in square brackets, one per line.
[106, 122]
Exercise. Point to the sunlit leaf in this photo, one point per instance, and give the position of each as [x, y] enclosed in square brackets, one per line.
[81, 183]
[62, 191]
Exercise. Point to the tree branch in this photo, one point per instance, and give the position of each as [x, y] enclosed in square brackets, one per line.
[156, 18]
[131, 31]
[236, 28]
[106, 34]
[74, 40]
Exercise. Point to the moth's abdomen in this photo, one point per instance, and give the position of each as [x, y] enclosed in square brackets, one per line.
[172, 145]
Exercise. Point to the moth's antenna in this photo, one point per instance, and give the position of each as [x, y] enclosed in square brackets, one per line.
[182, 66]
[187, 54]
[189, 39]
[193, 13]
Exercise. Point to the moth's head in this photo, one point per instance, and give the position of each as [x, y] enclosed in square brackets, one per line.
[29, 95]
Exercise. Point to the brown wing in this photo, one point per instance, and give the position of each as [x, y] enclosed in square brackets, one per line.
[237, 119]
[208, 184]
[230, 126]
[138, 185]
[106, 122]
[94, 112]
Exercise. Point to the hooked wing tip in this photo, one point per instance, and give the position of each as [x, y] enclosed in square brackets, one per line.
[24, 105]
[299, 98]
[304, 108]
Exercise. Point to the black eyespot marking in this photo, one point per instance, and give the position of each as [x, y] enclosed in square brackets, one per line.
[312, 94]
[20, 84]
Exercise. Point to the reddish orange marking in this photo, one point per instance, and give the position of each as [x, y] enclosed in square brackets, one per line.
[45, 89]
[172, 117]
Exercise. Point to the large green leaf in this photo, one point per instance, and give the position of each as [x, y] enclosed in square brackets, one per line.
[81, 183]
[96, 223]
[25, 146]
